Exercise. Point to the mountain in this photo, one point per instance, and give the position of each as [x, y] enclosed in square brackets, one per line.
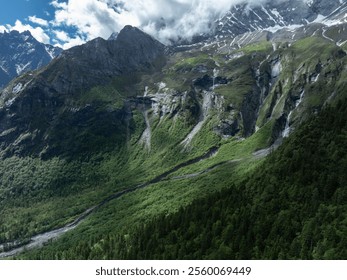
[113, 36]
[245, 18]
[133, 137]
[20, 53]
[37, 104]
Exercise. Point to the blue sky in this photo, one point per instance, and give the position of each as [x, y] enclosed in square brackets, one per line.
[38, 17]
[22, 9]
[63, 23]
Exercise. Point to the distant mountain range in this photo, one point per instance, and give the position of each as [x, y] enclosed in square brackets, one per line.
[21, 52]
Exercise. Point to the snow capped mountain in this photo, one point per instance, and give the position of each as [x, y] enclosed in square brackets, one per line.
[21, 52]
[274, 15]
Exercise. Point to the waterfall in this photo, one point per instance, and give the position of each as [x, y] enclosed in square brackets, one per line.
[287, 129]
[215, 74]
[147, 134]
[298, 102]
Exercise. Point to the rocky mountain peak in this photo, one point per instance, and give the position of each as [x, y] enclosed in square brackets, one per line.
[131, 34]
[21, 52]
[99, 60]
[134, 48]
[138, 42]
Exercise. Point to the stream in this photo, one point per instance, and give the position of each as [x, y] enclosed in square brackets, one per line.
[40, 239]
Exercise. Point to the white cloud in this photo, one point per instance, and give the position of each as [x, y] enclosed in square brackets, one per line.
[2, 29]
[38, 21]
[63, 40]
[61, 35]
[183, 18]
[71, 42]
[56, 4]
[38, 33]
[99, 18]
[163, 19]
[92, 18]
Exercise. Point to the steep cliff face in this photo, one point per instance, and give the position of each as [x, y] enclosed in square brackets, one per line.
[230, 90]
[42, 112]
[259, 84]
[99, 61]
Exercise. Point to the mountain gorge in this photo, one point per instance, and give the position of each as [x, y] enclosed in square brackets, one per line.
[130, 135]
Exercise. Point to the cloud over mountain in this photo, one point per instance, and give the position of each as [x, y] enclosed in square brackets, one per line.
[75, 22]
[166, 19]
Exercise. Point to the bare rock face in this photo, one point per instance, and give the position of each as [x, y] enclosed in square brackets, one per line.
[99, 60]
[36, 110]
[20, 53]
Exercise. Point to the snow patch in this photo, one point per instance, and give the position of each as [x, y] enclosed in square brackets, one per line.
[236, 55]
[8, 103]
[50, 52]
[275, 12]
[274, 29]
[31, 51]
[20, 68]
[17, 88]
[4, 69]
[265, 11]
[278, 15]
[320, 18]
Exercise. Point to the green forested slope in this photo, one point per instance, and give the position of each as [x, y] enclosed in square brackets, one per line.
[293, 206]
[66, 148]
